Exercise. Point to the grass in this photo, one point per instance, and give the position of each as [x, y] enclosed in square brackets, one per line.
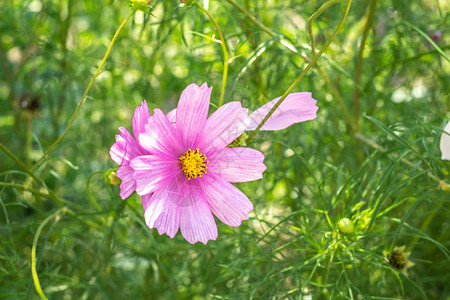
[372, 155]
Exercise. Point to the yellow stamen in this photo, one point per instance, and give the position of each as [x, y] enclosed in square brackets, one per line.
[193, 164]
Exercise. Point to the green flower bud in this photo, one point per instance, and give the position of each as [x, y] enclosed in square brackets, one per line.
[444, 186]
[111, 177]
[141, 5]
[345, 225]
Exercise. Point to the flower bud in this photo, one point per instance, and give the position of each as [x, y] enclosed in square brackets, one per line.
[345, 225]
[444, 186]
[111, 177]
[141, 5]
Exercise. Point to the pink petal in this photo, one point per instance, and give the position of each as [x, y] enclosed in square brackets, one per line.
[237, 164]
[124, 149]
[163, 211]
[128, 184]
[297, 107]
[140, 118]
[197, 223]
[172, 116]
[445, 142]
[146, 200]
[192, 112]
[152, 172]
[224, 126]
[160, 137]
[227, 202]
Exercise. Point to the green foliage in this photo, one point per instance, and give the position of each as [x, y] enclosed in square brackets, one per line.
[371, 157]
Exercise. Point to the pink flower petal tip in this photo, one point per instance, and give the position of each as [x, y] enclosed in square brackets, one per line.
[296, 108]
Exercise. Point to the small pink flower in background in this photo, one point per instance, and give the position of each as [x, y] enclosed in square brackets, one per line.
[436, 37]
[445, 142]
[180, 164]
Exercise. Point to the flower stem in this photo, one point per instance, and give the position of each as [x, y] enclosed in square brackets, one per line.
[267, 30]
[315, 16]
[288, 45]
[336, 93]
[356, 101]
[224, 50]
[34, 274]
[380, 148]
[83, 98]
[32, 175]
[88, 190]
[22, 187]
[28, 136]
[251, 17]
[427, 222]
[429, 40]
[308, 67]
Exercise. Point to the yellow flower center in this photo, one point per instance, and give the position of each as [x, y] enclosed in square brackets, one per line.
[193, 164]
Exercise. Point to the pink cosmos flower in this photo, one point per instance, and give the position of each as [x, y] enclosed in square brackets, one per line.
[182, 168]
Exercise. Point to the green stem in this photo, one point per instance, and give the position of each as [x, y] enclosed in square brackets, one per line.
[328, 267]
[254, 40]
[308, 67]
[28, 136]
[356, 102]
[313, 17]
[30, 172]
[267, 30]
[88, 190]
[83, 98]
[224, 50]
[292, 48]
[34, 274]
[252, 18]
[337, 95]
[429, 40]
[380, 148]
[22, 187]
[64, 26]
[427, 222]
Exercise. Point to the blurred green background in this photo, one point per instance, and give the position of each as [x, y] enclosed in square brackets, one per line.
[372, 155]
